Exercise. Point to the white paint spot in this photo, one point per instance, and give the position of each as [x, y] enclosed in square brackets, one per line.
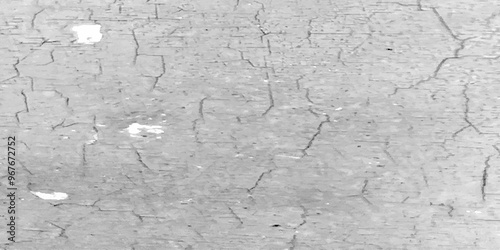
[88, 33]
[186, 201]
[338, 109]
[100, 125]
[136, 128]
[92, 141]
[289, 156]
[52, 196]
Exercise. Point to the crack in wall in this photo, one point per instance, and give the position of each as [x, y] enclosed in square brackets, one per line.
[455, 56]
[250, 190]
[139, 158]
[164, 70]
[271, 99]
[297, 83]
[309, 30]
[84, 159]
[444, 24]
[15, 69]
[62, 232]
[466, 113]
[201, 117]
[386, 151]
[236, 5]
[66, 99]
[484, 179]
[496, 149]
[303, 216]
[318, 132]
[137, 46]
[364, 188]
[34, 18]
[25, 99]
[235, 216]
[259, 21]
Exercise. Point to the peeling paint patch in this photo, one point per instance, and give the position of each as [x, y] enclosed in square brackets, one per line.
[88, 33]
[51, 196]
[135, 128]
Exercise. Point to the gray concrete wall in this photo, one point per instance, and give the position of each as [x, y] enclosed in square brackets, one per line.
[286, 124]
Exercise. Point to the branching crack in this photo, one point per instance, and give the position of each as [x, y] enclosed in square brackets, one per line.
[62, 233]
[466, 113]
[309, 30]
[456, 52]
[242, 57]
[386, 151]
[16, 69]
[259, 21]
[66, 99]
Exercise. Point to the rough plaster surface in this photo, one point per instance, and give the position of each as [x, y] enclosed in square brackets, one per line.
[285, 124]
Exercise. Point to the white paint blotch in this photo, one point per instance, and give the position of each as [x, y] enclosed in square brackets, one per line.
[136, 128]
[52, 196]
[88, 33]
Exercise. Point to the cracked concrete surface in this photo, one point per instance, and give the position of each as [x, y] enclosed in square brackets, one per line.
[285, 124]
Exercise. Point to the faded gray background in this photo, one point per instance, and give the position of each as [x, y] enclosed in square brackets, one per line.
[289, 124]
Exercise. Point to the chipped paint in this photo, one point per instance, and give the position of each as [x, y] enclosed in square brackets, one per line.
[88, 33]
[51, 196]
[136, 128]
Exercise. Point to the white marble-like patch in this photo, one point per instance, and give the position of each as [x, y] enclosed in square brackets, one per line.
[51, 196]
[88, 33]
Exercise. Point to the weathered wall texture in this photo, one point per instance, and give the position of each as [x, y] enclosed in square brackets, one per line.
[288, 124]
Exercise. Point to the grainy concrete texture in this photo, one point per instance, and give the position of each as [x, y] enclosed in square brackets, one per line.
[285, 124]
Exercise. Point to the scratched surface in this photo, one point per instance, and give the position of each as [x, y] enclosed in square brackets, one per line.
[272, 124]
